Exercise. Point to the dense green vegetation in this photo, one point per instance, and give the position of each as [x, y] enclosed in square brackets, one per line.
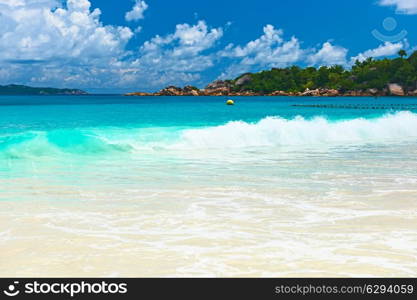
[369, 74]
[26, 90]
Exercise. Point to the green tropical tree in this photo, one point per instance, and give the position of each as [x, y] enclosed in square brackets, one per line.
[363, 75]
[402, 53]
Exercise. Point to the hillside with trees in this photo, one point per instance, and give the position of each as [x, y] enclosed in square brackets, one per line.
[385, 77]
[14, 89]
[366, 75]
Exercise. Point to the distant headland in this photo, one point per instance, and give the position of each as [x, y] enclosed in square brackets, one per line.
[386, 77]
[14, 89]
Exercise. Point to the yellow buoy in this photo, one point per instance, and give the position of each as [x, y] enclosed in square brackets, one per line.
[230, 102]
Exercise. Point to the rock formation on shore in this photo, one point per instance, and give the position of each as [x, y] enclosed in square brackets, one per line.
[226, 88]
[396, 89]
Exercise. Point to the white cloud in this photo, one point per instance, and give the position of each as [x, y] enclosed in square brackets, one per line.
[268, 51]
[45, 43]
[138, 30]
[328, 55]
[178, 56]
[33, 3]
[42, 31]
[271, 50]
[402, 6]
[42, 41]
[387, 49]
[82, 6]
[137, 11]
[271, 38]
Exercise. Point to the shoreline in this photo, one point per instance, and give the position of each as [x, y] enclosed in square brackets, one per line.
[235, 188]
[221, 88]
[260, 95]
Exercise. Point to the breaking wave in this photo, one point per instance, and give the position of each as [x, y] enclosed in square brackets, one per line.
[268, 132]
[275, 131]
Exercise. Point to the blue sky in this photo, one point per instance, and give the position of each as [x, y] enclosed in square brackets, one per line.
[128, 45]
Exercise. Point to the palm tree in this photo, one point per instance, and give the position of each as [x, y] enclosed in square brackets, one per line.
[402, 53]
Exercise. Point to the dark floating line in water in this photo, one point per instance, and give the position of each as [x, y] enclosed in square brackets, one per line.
[378, 106]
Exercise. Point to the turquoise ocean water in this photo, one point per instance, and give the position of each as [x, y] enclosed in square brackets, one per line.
[98, 125]
[203, 186]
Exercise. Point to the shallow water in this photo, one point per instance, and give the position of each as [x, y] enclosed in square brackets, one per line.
[186, 186]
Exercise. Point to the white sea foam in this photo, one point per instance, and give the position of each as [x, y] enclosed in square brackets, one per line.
[276, 131]
[268, 132]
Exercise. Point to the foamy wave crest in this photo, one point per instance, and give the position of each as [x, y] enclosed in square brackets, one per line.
[56, 143]
[275, 131]
[269, 132]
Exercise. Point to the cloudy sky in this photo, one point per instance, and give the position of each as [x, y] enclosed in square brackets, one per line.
[128, 45]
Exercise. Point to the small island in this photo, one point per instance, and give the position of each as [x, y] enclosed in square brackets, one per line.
[14, 89]
[385, 77]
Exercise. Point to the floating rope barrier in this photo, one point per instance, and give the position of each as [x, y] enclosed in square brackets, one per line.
[370, 106]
